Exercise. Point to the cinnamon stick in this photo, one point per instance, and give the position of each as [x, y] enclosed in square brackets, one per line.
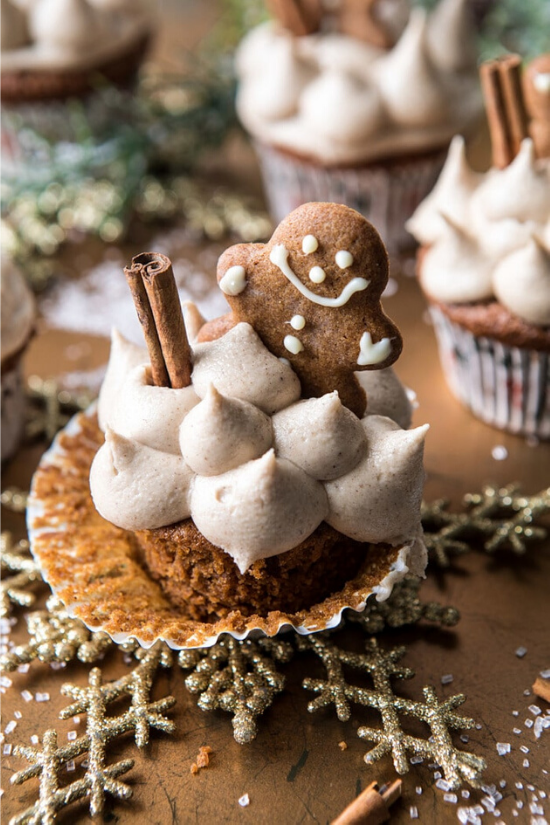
[504, 103]
[541, 688]
[301, 17]
[156, 298]
[371, 807]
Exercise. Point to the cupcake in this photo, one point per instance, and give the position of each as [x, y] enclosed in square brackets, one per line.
[484, 265]
[362, 111]
[57, 50]
[18, 314]
[253, 487]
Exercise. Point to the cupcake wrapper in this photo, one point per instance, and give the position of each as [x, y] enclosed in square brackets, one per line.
[507, 387]
[386, 194]
[13, 411]
[91, 565]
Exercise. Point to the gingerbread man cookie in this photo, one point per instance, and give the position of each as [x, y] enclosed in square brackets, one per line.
[312, 294]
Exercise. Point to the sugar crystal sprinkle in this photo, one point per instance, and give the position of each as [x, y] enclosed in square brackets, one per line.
[535, 710]
[244, 801]
[451, 797]
[413, 812]
[419, 790]
[42, 697]
[447, 679]
[521, 651]
[517, 731]
[503, 747]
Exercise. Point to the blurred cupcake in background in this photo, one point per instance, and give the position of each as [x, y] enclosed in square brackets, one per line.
[18, 317]
[57, 50]
[358, 106]
[484, 264]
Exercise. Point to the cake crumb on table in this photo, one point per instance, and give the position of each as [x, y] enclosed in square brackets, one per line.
[343, 745]
[203, 759]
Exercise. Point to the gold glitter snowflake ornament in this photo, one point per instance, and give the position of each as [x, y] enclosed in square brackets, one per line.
[458, 766]
[16, 559]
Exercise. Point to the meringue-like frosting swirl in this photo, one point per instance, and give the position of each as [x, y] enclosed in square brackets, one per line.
[256, 467]
[488, 235]
[338, 100]
[69, 34]
[18, 309]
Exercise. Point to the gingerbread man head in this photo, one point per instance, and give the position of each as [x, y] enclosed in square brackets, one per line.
[312, 294]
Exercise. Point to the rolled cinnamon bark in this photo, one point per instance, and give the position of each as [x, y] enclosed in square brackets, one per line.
[301, 17]
[371, 807]
[159, 311]
[504, 103]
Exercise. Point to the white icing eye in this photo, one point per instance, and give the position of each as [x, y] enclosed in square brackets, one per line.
[293, 344]
[343, 258]
[317, 274]
[297, 322]
[234, 280]
[310, 244]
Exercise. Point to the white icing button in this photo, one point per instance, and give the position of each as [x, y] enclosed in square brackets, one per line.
[234, 280]
[297, 322]
[541, 82]
[343, 258]
[317, 274]
[293, 344]
[285, 361]
[310, 244]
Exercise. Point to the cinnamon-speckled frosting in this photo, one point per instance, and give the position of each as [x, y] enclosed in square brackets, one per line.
[339, 100]
[256, 467]
[69, 34]
[488, 235]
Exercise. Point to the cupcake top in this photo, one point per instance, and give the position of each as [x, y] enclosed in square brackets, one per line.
[261, 430]
[339, 100]
[69, 35]
[488, 235]
[18, 309]
[254, 465]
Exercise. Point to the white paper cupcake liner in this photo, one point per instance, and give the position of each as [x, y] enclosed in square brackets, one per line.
[92, 566]
[507, 387]
[13, 410]
[386, 194]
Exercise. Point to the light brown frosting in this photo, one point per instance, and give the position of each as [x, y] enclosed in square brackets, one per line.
[489, 234]
[18, 308]
[337, 100]
[255, 467]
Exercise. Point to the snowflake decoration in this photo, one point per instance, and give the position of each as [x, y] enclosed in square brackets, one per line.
[403, 607]
[499, 517]
[238, 677]
[16, 559]
[99, 778]
[457, 765]
[50, 407]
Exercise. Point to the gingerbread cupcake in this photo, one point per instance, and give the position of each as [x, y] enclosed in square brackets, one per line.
[485, 259]
[243, 471]
[358, 106]
[57, 50]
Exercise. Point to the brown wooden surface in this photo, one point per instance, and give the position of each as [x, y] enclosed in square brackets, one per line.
[294, 772]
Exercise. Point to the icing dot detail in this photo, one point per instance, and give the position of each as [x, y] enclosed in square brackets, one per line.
[310, 244]
[297, 322]
[317, 274]
[343, 258]
[293, 344]
[234, 280]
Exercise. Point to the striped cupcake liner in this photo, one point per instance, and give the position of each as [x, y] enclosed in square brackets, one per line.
[386, 195]
[507, 387]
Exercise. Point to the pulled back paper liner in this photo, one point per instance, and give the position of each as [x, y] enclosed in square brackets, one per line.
[94, 567]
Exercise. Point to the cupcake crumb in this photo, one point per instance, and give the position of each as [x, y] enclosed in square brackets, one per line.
[343, 746]
[203, 759]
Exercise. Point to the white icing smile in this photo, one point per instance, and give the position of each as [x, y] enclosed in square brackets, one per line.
[370, 353]
[279, 257]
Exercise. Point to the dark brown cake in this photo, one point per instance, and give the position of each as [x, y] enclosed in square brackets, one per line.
[205, 582]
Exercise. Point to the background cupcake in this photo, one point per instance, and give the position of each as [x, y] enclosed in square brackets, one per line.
[362, 112]
[485, 262]
[18, 313]
[57, 50]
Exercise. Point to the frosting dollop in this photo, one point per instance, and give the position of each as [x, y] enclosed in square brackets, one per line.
[220, 433]
[335, 99]
[252, 464]
[488, 235]
[139, 488]
[239, 365]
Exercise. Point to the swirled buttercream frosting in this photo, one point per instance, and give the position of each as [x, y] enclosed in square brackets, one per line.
[254, 465]
[337, 100]
[487, 236]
